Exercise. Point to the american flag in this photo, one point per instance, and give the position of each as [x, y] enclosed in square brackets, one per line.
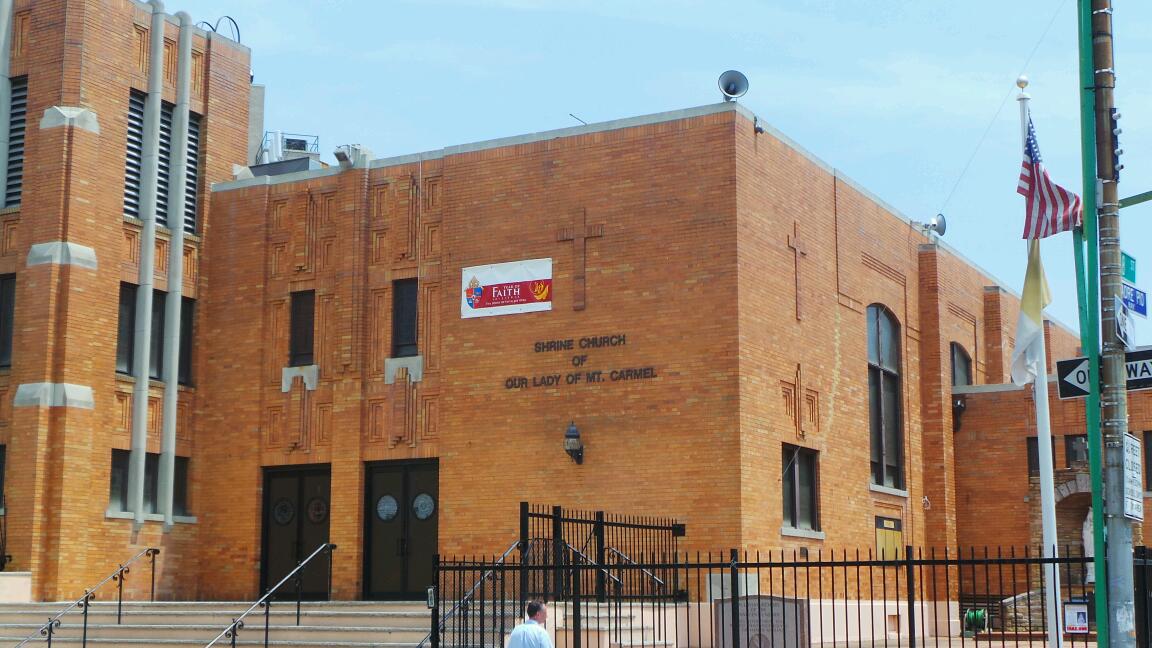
[1051, 208]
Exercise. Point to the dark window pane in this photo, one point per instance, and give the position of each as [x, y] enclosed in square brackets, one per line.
[873, 335]
[118, 481]
[1076, 450]
[156, 353]
[876, 425]
[961, 366]
[404, 318]
[187, 315]
[151, 481]
[893, 437]
[7, 317]
[300, 344]
[1147, 461]
[180, 487]
[788, 486]
[806, 499]
[889, 342]
[3, 461]
[126, 329]
[1033, 456]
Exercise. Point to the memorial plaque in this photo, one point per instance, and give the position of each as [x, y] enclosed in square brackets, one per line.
[764, 622]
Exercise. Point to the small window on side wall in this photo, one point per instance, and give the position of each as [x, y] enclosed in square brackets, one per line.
[404, 325]
[961, 366]
[300, 343]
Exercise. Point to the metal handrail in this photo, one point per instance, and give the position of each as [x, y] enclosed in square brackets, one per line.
[238, 622]
[633, 562]
[85, 601]
[471, 593]
[594, 564]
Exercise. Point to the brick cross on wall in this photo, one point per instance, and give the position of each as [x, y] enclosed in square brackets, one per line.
[798, 250]
[579, 235]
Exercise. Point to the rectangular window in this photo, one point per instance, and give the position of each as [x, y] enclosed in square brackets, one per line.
[126, 334]
[134, 157]
[17, 121]
[187, 317]
[1076, 450]
[118, 483]
[800, 487]
[7, 317]
[404, 318]
[302, 326]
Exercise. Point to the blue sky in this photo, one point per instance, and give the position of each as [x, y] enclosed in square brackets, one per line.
[894, 93]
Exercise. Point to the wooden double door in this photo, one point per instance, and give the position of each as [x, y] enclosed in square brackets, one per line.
[297, 502]
[401, 510]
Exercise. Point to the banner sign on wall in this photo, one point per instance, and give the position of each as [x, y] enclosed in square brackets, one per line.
[506, 288]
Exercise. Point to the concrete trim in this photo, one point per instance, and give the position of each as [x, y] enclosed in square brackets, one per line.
[62, 253]
[599, 127]
[260, 181]
[54, 395]
[896, 492]
[801, 533]
[82, 118]
[310, 374]
[991, 389]
[150, 517]
[414, 365]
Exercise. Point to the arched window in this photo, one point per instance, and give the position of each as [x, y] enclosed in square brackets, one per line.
[961, 366]
[885, 398]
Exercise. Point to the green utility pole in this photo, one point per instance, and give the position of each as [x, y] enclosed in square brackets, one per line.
[1088, 290]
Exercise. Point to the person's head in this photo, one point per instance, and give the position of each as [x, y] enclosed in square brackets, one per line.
[537, 611]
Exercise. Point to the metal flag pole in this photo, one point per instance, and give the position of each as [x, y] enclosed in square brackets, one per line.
[1043, 432]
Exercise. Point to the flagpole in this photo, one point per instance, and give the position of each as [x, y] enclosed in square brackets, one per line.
[1044, 440]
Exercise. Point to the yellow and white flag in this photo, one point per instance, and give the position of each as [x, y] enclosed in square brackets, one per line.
[1030, 328]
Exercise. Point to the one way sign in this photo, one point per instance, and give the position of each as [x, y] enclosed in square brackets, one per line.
[1073, 377]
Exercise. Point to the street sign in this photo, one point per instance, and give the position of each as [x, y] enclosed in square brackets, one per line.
[1129, 267]
[1073, 377]
[1136, 300]
[1133, 480]
[1125, 327]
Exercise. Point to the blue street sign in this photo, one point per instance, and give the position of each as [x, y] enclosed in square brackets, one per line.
[1136, 300]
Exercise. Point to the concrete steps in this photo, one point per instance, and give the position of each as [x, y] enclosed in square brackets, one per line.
[346, 624]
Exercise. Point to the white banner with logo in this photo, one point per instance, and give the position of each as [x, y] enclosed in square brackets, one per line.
[506, 288]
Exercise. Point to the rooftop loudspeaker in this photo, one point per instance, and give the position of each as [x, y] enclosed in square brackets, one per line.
[733, 84]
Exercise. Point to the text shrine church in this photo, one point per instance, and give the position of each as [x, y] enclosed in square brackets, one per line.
[680, 314]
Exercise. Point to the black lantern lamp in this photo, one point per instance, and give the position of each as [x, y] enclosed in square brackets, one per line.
[572, 443]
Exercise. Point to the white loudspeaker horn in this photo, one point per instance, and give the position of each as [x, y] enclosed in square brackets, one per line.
[733, 84]
[938, 224]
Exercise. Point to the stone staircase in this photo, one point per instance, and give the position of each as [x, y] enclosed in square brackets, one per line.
[344, 624]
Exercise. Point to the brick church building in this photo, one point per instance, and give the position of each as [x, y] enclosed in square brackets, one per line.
[390, 354]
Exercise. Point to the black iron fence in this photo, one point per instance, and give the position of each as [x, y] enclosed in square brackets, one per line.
[608, 544]
[766, 600]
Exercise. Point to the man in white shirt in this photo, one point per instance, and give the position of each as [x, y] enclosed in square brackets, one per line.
[531, 633]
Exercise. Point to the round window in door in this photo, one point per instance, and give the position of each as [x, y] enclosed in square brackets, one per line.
[386, 508]
[283, 512]
[423, 506]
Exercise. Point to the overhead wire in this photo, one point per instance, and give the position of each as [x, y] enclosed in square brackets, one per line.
[1000, 108]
